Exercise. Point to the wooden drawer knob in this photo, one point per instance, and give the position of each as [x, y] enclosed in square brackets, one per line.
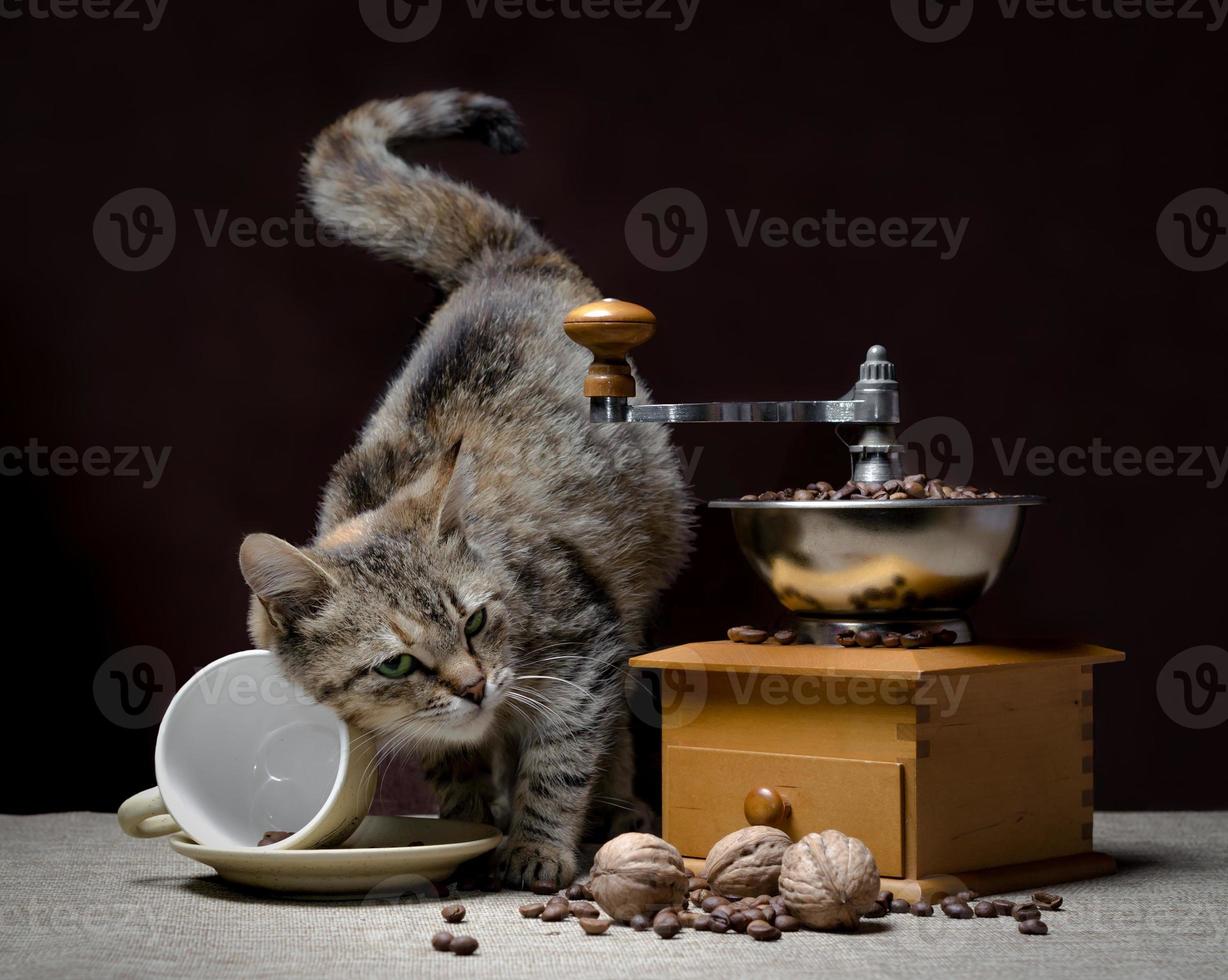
[765, 807]
[609, 328]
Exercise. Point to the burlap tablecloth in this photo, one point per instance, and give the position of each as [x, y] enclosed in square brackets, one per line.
[81, 900]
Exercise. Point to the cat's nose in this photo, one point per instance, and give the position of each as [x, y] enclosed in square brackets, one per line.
[475, 692]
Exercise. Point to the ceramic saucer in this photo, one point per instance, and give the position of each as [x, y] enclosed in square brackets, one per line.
[384, 853]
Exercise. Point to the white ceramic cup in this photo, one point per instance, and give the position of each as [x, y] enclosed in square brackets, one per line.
[242, 751]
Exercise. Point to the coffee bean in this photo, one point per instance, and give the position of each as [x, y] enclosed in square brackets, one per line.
[884, 899]
[917, 638]
[533, 910]
[584, 910]
[755, 915]
[876, 912]
[786, 923]
[1048, 901]
[717, 925]
[640, 922]
[442, 940]
[723, 912]
[453, 914]
[1026, 910]
[923, 909]
[944, 638]
[868, 638]
[1033, 927]
[746, 634]
[847, 638]
[749, 496]
[765, 932]
[948, 900]
[543, 888]
[711, 902]
[966, 896]
[594, 927]
[843, 493]
[1004, 906]
[555, 912]
[778, 903]
[958, 910]
[666, 926]
[701, 923]
[901, 905]
[912, 488]
[891, 639]
[576, 891]
[464, 946]
[804, 495]
[985, 910]
[273, 837]
[785, 637]
[739, 921]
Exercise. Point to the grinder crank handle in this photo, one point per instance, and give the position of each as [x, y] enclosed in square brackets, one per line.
[609, 328]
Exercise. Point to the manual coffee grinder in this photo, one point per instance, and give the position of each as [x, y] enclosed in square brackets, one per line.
[962, 767]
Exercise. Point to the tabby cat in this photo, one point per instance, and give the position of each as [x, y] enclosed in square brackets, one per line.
[485, 557]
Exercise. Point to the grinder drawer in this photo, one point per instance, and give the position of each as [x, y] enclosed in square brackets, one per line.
[705, 792]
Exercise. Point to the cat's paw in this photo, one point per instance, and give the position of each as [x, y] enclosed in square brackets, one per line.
[522, 863]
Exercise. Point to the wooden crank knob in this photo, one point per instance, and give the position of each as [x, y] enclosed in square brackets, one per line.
[765, 807]
[609, 328]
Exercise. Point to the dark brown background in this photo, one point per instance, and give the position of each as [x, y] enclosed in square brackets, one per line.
[1060, 319]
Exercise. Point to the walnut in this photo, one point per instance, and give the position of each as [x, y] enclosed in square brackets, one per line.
[828, 880]
[637, 874]
[747, 862]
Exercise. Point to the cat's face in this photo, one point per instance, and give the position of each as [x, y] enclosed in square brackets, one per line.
[405, 632]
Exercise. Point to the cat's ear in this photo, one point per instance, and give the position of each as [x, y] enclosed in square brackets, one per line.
[281, 576]
[457, 492]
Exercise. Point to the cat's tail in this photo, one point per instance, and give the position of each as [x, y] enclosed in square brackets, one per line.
[364, 193]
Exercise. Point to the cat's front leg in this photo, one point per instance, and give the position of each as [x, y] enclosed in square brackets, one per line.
[550, 803]
[463, 785]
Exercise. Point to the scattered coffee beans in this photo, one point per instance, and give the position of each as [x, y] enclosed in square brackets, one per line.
[442, 940]
[640, 922]
[786, 923]
[1026, 910]
[594, 927]
[958, 910]
[543, 888]
[985, 910]
[584, 910]
[1004, 906]
[884, 899]
[666, 925]
[966, 897]
[877, 912]
[765, 932]
[901, 905]
[533, 910]
[453, 914]
[711, 902]
[701, 923]
[273, 837]
[746, 634]
[464, 946]
[923, 909]
[555, 912]
[914, 487]
[1033, 927]
[1047, 901]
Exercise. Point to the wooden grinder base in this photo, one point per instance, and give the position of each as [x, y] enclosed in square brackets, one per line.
[966, 767]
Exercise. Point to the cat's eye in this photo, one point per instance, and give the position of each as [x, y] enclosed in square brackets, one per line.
[474, 624]
[395, 667]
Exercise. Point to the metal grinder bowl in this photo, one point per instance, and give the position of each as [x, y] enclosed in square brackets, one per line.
[895, 566]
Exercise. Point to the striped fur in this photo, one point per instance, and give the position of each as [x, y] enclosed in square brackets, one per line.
[477, 484]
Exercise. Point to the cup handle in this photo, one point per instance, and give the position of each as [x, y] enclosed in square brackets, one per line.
[144, 815]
